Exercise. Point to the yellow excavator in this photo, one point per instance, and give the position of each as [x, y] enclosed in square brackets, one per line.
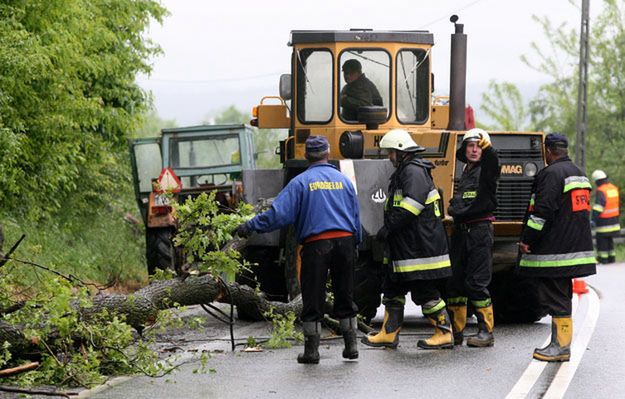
[313, 101]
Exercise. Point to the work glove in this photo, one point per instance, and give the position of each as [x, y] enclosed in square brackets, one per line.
[484, 141]
[243, 230]
[382, 234]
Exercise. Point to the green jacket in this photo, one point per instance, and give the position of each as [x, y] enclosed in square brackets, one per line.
[361, 92]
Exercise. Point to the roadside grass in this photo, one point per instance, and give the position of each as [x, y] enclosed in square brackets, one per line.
[96, 248]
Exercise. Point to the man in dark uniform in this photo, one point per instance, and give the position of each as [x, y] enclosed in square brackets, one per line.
[472, 239]
[358, 92]
[322, 204]
[556, 243]
[416, 246]
[605, 216]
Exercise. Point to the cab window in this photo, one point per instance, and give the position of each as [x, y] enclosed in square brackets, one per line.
[205, 152]
[364, 81]
[413, 86]
[314, 85]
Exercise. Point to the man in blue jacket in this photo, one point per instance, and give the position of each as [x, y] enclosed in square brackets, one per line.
[322, 204]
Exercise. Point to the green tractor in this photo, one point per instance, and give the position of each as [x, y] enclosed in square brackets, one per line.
[187, 161]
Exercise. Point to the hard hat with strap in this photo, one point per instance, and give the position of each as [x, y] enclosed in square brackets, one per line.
[400, 140]
[598, 175]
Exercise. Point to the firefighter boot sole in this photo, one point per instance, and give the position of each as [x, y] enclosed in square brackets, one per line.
[552, 359]
[390, 345]
[423, 345]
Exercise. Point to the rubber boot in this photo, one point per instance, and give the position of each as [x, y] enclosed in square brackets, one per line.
[443, 337]
[458, 315]
[388, 336]
[611, 259]
[348, 329]
[311, 343]
[559, 350]
[485, 325]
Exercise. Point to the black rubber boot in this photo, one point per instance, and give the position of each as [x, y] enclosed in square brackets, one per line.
[348, 329]
[559, 349]
[311, 343]
[442, 338]
[485, 325]
[611, 259]
[388, 336]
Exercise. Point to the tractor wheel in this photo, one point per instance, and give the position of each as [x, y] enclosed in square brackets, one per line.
[368, 276]
[515, 299]
[159, 249]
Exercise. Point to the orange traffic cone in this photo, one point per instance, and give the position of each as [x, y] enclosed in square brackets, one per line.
[579, 286]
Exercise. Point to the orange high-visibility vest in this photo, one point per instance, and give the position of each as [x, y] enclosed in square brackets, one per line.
[611, 194]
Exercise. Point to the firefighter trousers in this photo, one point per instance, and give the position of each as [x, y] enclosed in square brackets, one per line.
[471, 261]
[605, 248]
[337, 256]
[424, 293]
[556, 295]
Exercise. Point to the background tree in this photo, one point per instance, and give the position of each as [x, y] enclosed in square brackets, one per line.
[554, 107]
[68, 98]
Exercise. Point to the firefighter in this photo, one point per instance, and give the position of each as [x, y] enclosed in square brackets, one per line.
[605, 216]
[416, 246]
[556, 242]
[472, 239]
[322, 204]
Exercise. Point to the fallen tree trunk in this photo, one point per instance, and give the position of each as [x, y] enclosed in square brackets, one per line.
[141, 307]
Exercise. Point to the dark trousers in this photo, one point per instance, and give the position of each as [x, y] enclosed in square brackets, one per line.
[337, 256]
[422, 292]
[605, 248]
[471, 261]
[555, 295]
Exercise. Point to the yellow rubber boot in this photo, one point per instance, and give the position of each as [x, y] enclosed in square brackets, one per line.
[485, 326]
[458, 315]
[559, 350]
[442, 338]
[388, 336]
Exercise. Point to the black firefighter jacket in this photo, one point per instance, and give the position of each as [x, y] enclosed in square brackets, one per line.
[557, 224]
[417, 242]
[475, 195]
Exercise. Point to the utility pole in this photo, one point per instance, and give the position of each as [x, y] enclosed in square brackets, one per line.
[582, 90]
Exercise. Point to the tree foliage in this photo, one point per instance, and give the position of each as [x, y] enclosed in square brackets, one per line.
[504, 105]
[554, 107]
[68, 97]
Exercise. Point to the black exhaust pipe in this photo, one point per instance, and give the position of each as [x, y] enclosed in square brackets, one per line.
[458, 77]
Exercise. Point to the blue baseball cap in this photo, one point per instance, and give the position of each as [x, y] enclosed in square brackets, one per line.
[556, 140]
[317, 144]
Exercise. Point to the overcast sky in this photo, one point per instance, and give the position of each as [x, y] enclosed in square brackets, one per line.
[232, 52]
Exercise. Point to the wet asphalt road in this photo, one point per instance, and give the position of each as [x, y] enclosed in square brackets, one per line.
[407, 372]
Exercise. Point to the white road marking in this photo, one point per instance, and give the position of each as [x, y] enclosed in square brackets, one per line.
[565, 374]
[532, 373]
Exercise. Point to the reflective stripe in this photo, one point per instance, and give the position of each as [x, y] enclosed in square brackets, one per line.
[482, 304]
[603, 254]
[421, 264]
[608, 229]
[439, 306]
[536, 223]
[457, 300]
[597, 207]
[573, 182]
[469, 194]
[557, 260]
[411, 205]
[432, 196]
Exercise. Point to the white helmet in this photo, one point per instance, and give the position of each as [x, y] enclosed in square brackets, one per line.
[474, 134]
[598, 175]
[400, 139]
